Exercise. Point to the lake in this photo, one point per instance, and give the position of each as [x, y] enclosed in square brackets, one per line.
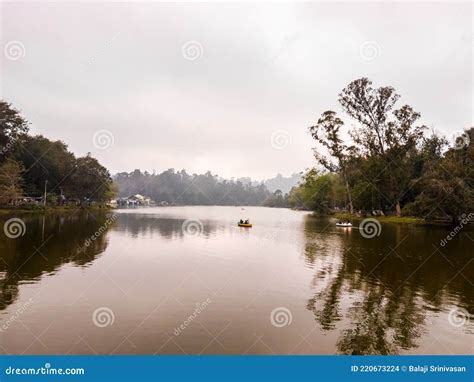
[188, 280]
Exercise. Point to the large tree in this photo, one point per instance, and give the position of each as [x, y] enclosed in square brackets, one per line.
[383, 132]
[327, 133]
[10, 181]
[45, 160]
[37, 161]
[446, 184]
[12, 127]
[91, 181]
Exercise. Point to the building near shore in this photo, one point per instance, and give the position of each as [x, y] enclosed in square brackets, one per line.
[134, 200]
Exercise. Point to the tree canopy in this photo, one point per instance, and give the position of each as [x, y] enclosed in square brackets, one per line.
[387, 162]
[179, 187]
[31, 163]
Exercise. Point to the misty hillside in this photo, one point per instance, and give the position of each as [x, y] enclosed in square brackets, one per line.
[180, 188]
[281, 183]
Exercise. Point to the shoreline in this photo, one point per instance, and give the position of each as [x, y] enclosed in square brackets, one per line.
[46, 210]
[413, 220]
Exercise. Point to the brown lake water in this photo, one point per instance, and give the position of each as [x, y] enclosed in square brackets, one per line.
[188, 280]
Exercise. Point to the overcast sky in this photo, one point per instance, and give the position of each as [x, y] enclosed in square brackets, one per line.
[227, 87]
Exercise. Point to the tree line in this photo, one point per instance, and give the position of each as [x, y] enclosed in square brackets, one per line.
[386, 161]
[180, 188]
[29, 165]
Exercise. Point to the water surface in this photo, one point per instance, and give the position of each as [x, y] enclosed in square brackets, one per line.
[187, 280]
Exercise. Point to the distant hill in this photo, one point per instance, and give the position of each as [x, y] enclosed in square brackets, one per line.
[282, 183]
[180, 188]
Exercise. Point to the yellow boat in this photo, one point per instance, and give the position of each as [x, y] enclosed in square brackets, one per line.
[244, 225]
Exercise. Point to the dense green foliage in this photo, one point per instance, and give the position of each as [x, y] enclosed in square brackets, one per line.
[10, 181]
[179, 187]
[318, 192]
[390, 165]
[277, 199]
[29, 163]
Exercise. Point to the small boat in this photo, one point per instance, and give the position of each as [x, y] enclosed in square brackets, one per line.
[343, 224]
[246, 225]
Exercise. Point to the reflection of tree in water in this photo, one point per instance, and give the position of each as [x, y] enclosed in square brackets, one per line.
[370, 332]
[49, 242]
[329, 313]
[380, 297]
[382, 323]
[321, 251]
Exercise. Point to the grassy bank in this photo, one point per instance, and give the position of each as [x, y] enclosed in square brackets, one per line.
[384, 219]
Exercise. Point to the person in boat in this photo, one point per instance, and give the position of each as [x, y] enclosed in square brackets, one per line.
[241, 221]
[247, 221]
